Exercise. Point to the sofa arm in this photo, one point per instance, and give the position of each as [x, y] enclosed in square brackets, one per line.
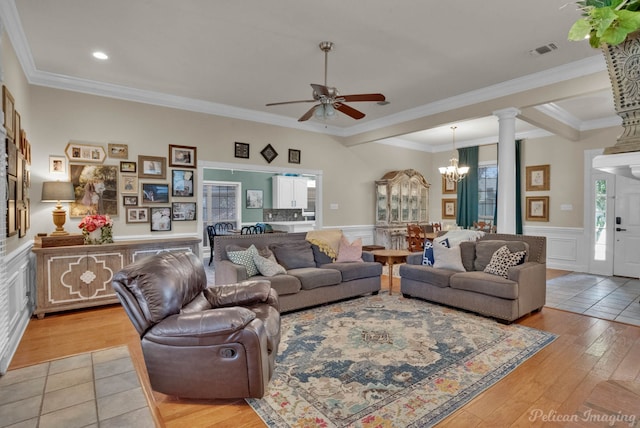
[245, 293]
[211, 326]
[532, 285]
[414, 258]
[227, 272]
[367, 256]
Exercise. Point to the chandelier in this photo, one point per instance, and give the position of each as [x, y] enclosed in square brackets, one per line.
[453, 172]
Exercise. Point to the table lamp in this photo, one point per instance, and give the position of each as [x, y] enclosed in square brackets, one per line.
[58, 191]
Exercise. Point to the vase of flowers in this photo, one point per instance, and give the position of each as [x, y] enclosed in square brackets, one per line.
[614, 27]
[97, 229]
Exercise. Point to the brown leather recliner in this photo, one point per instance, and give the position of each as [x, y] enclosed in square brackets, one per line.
[198, 341]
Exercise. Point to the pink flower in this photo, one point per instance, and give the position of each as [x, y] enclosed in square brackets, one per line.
[91, 223]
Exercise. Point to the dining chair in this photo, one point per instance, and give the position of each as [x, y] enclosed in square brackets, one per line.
[415, 238]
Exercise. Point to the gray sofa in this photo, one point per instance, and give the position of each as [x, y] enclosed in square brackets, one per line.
[318, 282]
[506, 299]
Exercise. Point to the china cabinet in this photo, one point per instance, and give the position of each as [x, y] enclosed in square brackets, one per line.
[79, 276]
[402, 197]
[289, 192]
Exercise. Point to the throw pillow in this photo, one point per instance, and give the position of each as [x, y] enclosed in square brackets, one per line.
[502, 260]
[350, 252]
[293, 254]
[267, 267]
[245, 258]
[427, 256]
[448, 258]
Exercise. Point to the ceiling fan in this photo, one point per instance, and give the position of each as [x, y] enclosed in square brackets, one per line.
[329, 98]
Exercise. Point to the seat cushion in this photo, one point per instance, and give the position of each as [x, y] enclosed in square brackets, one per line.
[485, 283]
[311, 278]
[351, 271]
[283, 284]
[427, 274]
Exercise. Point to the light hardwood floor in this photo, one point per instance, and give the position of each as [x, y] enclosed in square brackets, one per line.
[570, 375]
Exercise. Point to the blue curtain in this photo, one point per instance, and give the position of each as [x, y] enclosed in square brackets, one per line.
[468, 188]
[518, 188]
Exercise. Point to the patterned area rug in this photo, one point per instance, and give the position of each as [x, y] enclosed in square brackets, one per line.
[387, 361]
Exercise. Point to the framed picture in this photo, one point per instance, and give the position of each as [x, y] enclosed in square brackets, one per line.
[128, 183]
[12, 223]
[160, 219]
[130, 200]
[80, 152]
[17, 124]
[137, 215]
[254, 199]
[269, 153]
[128, 166]
[182, 156]
[241, 150]
[181, 183]
[449, 207]
[183, 211]
[155, 193]
[12, 158]
[537, 208]
[8, 106]
[57, 165]
[96, 190]
[294, 156]
[538, 178]
[152, 167]
[449, 186]
[118, 151]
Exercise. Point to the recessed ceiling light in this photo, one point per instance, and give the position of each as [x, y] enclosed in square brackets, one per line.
[100, 55]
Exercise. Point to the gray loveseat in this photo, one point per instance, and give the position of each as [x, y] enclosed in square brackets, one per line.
[318, 281]
[506, 299]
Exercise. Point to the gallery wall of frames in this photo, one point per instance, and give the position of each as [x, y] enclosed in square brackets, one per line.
[148, 189]
[18, 168]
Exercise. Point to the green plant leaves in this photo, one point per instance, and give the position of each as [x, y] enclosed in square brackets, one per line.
[603, 23]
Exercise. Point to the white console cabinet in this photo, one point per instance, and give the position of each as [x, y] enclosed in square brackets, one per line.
[289, 192]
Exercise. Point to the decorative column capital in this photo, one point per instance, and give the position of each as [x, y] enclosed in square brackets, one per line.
[507, 113]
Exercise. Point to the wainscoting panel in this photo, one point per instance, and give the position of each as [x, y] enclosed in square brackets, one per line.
[567, 248]
[19, 285]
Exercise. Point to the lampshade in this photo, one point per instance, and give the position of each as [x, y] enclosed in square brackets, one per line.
[57, 191]
[324, 111]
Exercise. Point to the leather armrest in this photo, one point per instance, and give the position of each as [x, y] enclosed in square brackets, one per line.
[213, 322]
[245, 293]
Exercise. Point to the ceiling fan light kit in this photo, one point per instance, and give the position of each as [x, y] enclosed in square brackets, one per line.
[329, 98]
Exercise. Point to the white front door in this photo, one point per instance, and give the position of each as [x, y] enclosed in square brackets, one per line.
[626, 260]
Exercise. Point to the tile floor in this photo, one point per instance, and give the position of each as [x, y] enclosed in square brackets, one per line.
[96, 389]
[608, 297]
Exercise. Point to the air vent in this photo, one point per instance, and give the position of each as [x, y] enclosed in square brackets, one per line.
[545, 49]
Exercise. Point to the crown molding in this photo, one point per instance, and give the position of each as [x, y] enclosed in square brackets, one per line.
[584, 67]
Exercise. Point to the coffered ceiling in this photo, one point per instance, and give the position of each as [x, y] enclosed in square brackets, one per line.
[438, 63]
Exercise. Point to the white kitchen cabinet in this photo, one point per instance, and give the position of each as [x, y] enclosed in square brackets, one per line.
[289, 192]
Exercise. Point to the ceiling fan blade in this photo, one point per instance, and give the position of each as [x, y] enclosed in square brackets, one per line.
[349, 111]
[308, 114]
[321, 89]
[290, 102]
[363, 97]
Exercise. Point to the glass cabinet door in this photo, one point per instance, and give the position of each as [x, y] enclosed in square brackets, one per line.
[424, 205]
[404, 202]
[381, 203]
[394, 204]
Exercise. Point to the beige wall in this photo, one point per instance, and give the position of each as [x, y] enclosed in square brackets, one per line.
[348, 173]
[54, 117]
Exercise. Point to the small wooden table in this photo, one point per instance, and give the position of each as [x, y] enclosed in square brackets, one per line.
[390, 258]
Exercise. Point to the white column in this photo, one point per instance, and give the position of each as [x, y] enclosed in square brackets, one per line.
[507, 169]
